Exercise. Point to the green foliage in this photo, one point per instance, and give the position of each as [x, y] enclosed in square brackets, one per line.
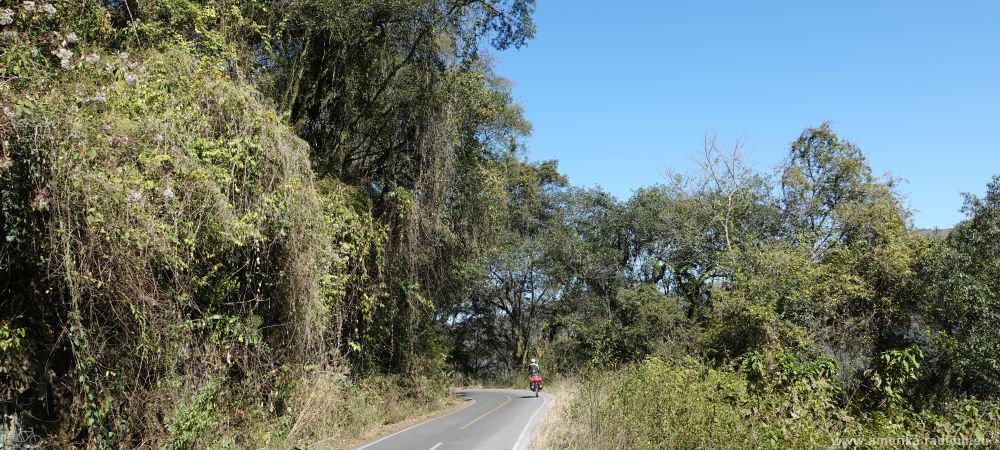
[512, 268]
[688, 404]
[958, 299]
[394, 69]
[646, 321]
[223, 329]
[829, 194]
[147, 217]
[843, 320]
[15, 363]
[223, 206]
[894, 369]
[193, 418]
[10, 338]
[219, 32]
[161, 221]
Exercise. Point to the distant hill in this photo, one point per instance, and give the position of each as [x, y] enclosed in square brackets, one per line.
[935, 232]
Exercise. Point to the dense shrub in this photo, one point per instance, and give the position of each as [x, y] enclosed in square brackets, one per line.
[687, 404]
[162, 239]
[159, 220]
[166, 249]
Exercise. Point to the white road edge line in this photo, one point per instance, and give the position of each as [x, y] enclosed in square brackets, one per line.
[417, 425]
[437, 445]
[522, 441]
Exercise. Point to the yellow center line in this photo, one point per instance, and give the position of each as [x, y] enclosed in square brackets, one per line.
[488, 413]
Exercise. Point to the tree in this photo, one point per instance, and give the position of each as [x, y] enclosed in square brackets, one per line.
[396, 99]
[828, 190]
[686, 232]
[961, 281]
[497, 326]
[367, 81]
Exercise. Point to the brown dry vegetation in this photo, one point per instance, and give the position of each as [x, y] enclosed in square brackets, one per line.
[557, 429]
[330, 412]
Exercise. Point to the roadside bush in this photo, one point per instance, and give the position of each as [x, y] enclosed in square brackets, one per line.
[687, 404]
[159, 224]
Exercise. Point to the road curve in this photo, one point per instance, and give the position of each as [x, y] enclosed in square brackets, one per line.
[492, 419]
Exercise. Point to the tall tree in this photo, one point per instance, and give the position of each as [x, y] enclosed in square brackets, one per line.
[824, 181]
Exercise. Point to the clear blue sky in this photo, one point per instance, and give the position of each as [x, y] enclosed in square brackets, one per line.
[620, 91]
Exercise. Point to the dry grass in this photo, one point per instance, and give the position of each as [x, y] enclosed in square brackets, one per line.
[334, 413]
[509, 381]
[558, 429]
[447, 406]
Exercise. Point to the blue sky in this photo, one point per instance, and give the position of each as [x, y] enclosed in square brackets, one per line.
[619, 92]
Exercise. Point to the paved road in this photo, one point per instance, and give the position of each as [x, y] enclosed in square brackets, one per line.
[492, 419]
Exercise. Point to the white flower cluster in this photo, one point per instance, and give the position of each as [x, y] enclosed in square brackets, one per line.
[8, 112]
[30, 6]
[65, 56]
[131, 79]
[137, 67]
[134, 196]
[133, 71]
[6, 16]
[99, 97]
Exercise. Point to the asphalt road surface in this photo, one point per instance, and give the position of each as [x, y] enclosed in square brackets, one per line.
[492, 419]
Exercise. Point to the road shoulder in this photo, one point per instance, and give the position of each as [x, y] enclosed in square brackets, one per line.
[556, 420]
[530, 429]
